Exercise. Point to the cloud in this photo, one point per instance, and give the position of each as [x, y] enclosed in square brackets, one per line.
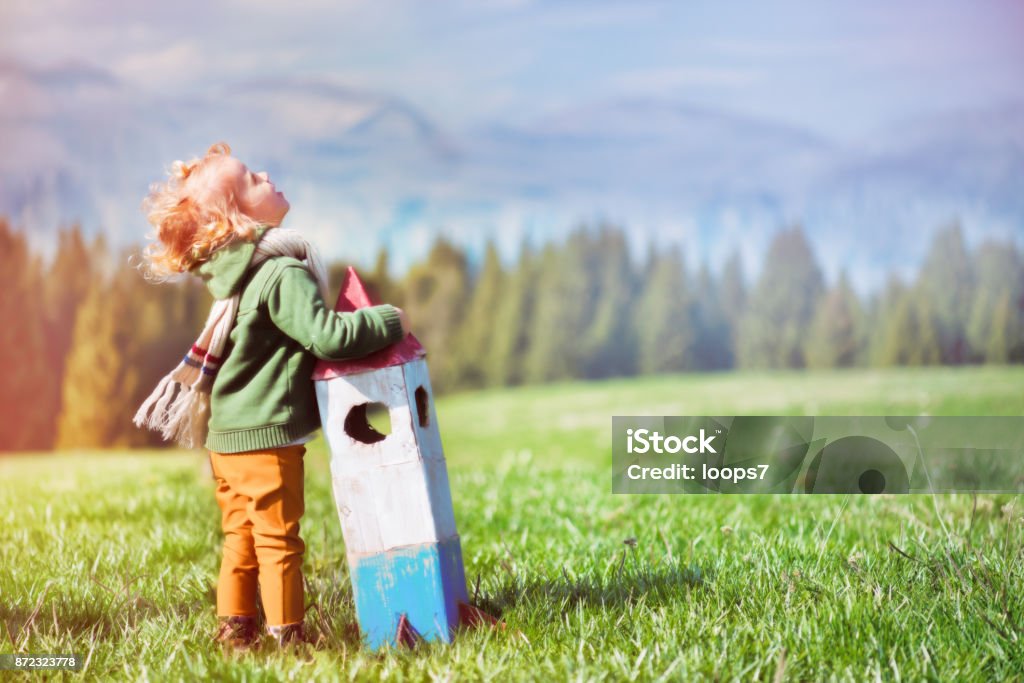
[664, 79]
[173, 65]
[596, 14]
[513, 118]
[274, 7]
[760, 49]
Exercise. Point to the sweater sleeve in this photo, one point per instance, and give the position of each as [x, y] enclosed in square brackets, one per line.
[297, 308]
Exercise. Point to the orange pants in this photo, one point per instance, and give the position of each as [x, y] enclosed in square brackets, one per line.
[260, 494]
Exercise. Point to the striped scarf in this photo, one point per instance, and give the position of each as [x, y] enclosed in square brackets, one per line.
[178, 408]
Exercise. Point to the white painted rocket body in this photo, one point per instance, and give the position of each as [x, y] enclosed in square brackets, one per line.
[392, 491]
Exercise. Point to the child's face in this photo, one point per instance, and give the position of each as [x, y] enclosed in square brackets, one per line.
[255, 195]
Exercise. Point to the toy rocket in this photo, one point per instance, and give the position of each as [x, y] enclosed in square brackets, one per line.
[392, 492]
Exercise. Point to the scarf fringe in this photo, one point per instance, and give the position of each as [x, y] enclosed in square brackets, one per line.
[178, 411]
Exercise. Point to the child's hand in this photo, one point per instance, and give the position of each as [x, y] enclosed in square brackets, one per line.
[404, 319]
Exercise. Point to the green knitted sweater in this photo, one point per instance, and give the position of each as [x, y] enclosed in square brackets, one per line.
[262, 395]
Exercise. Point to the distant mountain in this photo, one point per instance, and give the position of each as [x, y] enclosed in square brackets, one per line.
[364, 168]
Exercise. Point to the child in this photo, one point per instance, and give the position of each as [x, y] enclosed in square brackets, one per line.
[245, 384]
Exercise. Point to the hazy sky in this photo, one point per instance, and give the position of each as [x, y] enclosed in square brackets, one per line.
[839, 68]
[708, 123]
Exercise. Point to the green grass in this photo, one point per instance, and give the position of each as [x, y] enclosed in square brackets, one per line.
[115, 555]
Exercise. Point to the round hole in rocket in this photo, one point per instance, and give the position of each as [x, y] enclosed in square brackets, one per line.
[423, 406]
[368, 422]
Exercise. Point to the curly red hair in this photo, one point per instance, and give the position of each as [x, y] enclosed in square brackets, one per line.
[193, 215]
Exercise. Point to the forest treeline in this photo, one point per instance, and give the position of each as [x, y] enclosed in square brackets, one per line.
[85, 337]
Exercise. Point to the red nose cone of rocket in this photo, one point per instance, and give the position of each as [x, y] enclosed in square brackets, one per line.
[353, 296]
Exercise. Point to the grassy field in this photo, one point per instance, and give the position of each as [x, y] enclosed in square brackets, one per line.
[115, 555]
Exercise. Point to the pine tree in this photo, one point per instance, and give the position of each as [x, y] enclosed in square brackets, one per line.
[24, 372]
[713, 349]
[479, 332]
[387, 289]
[436, 292]
[99, 377]
[562, 311]
[1004, 331]
[733, 300]
[782, 305]
[896, 332]
[609, 342]
[66, 286]
[910, 335]
[999, 274]
[513, 321]
[664, 316]
[928, 349]
[881, 315]
[947, 281]
[836, 335]
[541, 362]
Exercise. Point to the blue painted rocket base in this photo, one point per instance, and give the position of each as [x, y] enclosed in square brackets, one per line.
[424, 582]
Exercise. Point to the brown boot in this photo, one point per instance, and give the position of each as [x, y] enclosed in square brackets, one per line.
[237, 633]
[289, 636]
